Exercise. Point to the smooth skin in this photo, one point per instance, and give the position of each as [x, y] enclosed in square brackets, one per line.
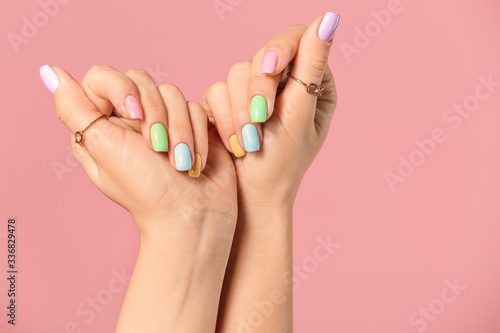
[183, 225]
[186, 232]
[260, 266]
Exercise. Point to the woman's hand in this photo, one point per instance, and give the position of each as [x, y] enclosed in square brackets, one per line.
[296, 123]
[272, 159]
[127, 159]
[186, 223]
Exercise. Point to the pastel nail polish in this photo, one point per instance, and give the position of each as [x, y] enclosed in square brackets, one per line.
[159, 138]
[238, 151]
[182, 157]
[134, 108]
[49, 78]
[270, 62]
[251, 139]
[195, 170]
[258, 109]
[328, 26]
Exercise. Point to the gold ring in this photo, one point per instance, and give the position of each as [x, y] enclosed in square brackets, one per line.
[80, 136]
[312, 88]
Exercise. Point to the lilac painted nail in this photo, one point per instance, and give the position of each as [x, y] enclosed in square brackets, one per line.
[133, 107]
[49, 77]
[270, 62]
[328, 26]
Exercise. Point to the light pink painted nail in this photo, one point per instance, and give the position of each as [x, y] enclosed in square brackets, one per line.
[270, 62]
[328, 26]
[49, 78]
[133, 107]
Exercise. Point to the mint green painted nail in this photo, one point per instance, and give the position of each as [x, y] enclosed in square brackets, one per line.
[159, 138]
[258, 109]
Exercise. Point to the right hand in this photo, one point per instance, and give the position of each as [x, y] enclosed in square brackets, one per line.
[124, 166]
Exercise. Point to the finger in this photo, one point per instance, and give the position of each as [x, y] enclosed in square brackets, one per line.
[218, 105]
[107, 88]
[310, 64]
[155, 112]
[180, 133]
[77, 111]
[261, 91]
[248, 134]
[326, 106]
[198, 118]
[281, 50]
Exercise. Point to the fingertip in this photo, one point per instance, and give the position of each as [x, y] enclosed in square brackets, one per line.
[49, 78]
[270, 62]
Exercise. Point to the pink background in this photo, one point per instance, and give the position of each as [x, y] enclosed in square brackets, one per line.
[398, 245]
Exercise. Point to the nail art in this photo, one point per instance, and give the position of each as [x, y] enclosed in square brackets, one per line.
[134, 108]
[258, 109]
[182, 157]
[159, 138]
[328, 26]
[195, 170]
[238, 151]
[250, 138]
[49, 78]
[270, 62]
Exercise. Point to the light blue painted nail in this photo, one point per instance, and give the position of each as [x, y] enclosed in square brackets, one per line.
[182, 157]
[250, 138]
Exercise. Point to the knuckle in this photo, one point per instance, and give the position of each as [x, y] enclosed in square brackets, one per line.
[216, 88]
[142, 77]
[244, 65]
[169, 89]
[317, 65]
[302, 27]
[100, 68]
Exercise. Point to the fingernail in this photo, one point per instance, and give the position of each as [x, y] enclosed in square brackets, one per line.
[134, 108]
[49, 77]
[328, 26]
[159, 138]
[250, 138]
[258, 109]
[182, 157]
[195, 170]
[238, 151]
[270, 62]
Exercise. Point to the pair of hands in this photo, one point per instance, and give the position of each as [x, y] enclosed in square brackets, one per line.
[119, 154]
[273, 137]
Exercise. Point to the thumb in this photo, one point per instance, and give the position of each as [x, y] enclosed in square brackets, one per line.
[75, 109]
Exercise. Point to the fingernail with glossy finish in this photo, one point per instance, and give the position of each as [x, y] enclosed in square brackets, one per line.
[238, 151]
[250, 138]
[182, 157]
[134, 108]
[159, 138]
[49, 77]
[270, 62]
[328, 26]
[258, 109]
[195, 170]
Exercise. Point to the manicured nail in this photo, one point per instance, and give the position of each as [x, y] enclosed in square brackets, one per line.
[258, 109]
[133, 107]
[195, 170]
[328, 26]
[270, 62]
[238, 151]
[250, 138]
[182, 157]
[49, 77]
[159, 138]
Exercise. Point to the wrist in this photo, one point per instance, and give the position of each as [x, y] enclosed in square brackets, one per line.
[208, 228]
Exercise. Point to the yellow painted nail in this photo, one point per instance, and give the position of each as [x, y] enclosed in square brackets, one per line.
[238, 151]
[195, 170]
